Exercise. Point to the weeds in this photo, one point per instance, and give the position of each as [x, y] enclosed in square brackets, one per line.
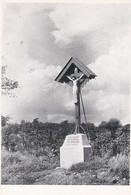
[120, 165]
[28, 169]
[17, 167]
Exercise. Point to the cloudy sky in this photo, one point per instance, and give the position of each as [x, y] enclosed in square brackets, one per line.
[38, 40]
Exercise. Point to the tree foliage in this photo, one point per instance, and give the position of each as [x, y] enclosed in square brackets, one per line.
[35, 137]
[4, 120]
[112, 125]
[7, 85]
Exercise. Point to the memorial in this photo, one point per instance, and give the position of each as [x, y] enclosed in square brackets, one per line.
[76, 147]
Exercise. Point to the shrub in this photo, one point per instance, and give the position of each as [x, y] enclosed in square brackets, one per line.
[120, 165]
[94, 164]
[16, 167]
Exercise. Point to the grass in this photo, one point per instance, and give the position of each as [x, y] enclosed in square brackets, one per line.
[120, 165]
[94, 164]
[20, 168]
[28, 169]
[103, 171]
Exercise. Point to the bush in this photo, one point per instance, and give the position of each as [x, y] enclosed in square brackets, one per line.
[16, 167]
[120, 165]
[94, 164]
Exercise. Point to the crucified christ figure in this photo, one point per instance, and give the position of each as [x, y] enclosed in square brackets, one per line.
[75, 86]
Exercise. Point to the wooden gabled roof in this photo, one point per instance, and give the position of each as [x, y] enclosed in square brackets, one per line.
[69, 69]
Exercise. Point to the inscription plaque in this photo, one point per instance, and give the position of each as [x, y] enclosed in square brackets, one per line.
[73, 141]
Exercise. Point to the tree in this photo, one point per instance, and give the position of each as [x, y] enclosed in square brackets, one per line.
[112, 125]
[7, 85]
[64, 128]
[36, 121]
[102, 125]
[90, 130]
[4, 120]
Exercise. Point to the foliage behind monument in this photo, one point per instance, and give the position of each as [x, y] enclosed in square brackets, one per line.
[35, 136]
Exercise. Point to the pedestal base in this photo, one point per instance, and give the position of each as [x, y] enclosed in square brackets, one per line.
[75, 149]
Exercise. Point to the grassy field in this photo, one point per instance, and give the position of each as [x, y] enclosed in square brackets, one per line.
[25, 169]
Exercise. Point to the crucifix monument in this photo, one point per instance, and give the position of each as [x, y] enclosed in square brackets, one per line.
[76, 147]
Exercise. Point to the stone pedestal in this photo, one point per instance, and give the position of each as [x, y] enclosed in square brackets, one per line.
[75, 149]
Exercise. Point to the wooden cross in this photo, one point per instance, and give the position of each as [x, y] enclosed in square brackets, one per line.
[75, 68]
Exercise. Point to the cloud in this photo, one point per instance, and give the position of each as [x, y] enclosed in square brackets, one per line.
[85, 19]
[93, 26]
[38, 41]
[105, 30]
[110, 92]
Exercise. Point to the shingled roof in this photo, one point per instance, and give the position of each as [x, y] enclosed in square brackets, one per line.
[69, 69]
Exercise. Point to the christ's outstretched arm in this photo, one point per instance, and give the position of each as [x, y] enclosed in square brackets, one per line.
[69, 78]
